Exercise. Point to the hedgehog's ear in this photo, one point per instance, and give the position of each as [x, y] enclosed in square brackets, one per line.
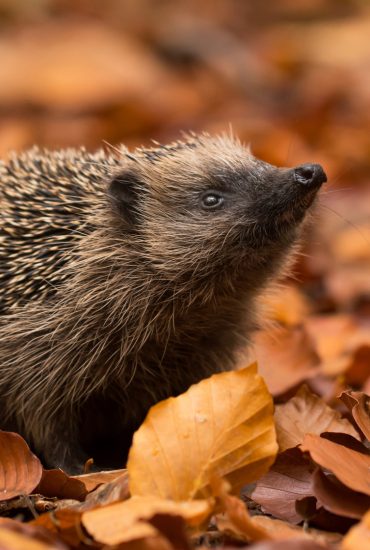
[124, 191]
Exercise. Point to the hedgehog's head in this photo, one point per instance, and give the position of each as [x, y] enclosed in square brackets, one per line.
[208, 204]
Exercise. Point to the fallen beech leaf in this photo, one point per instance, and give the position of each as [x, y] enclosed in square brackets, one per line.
[237, 521]
[337, 498]
[132, 519]
[20, 470]
[222, 426]
[307, 413]
[350, 467]
[358, 537]
[56, 483]
[287, 480]
[359, 404]
[285, 357]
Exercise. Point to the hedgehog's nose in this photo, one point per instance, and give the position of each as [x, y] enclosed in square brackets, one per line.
[309, 175]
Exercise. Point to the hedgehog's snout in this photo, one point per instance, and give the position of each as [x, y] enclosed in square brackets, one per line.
[309, 175]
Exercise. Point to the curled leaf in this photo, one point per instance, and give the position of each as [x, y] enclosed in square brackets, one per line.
[359, 403]
[350, 467]
[20, 470]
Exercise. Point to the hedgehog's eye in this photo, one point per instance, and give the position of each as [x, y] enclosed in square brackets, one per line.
[212, 200]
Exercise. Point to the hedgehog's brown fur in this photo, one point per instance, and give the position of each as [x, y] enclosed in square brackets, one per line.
[118, 290]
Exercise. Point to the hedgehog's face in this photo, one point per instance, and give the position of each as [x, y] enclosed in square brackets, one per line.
[212, 206]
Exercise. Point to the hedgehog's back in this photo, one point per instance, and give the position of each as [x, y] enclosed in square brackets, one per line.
[45, 202]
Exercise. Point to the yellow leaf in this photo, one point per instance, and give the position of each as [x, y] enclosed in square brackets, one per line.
[222, 426]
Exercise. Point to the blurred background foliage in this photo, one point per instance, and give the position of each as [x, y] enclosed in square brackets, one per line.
[292, 78]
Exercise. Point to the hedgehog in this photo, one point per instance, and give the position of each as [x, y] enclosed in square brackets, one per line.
[126, 277]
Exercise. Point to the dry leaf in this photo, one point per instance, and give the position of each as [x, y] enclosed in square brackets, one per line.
[337, 498]
[56, 483]
[359, 404]
[285, 357]
[288, 479]
[350, 467]
[20, 470]
[237, 522]
[132, 519]
[307, 413]
[358, 537]
[222, 426]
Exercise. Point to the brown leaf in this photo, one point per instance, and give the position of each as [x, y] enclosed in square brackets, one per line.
[350, 467]
[56, 483]
[307, 413]
[288, 479]
[337, 498]
[222, 426]
[359, 404]
[358, 537]
[133, 518]
[20, 470]
[285, 357]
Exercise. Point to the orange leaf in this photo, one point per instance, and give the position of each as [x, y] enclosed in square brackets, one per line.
[222, 426]
[130, 520]
[20, 470]
[350, 467]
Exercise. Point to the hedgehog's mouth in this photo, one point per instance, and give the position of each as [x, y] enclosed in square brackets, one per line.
[281, 226]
